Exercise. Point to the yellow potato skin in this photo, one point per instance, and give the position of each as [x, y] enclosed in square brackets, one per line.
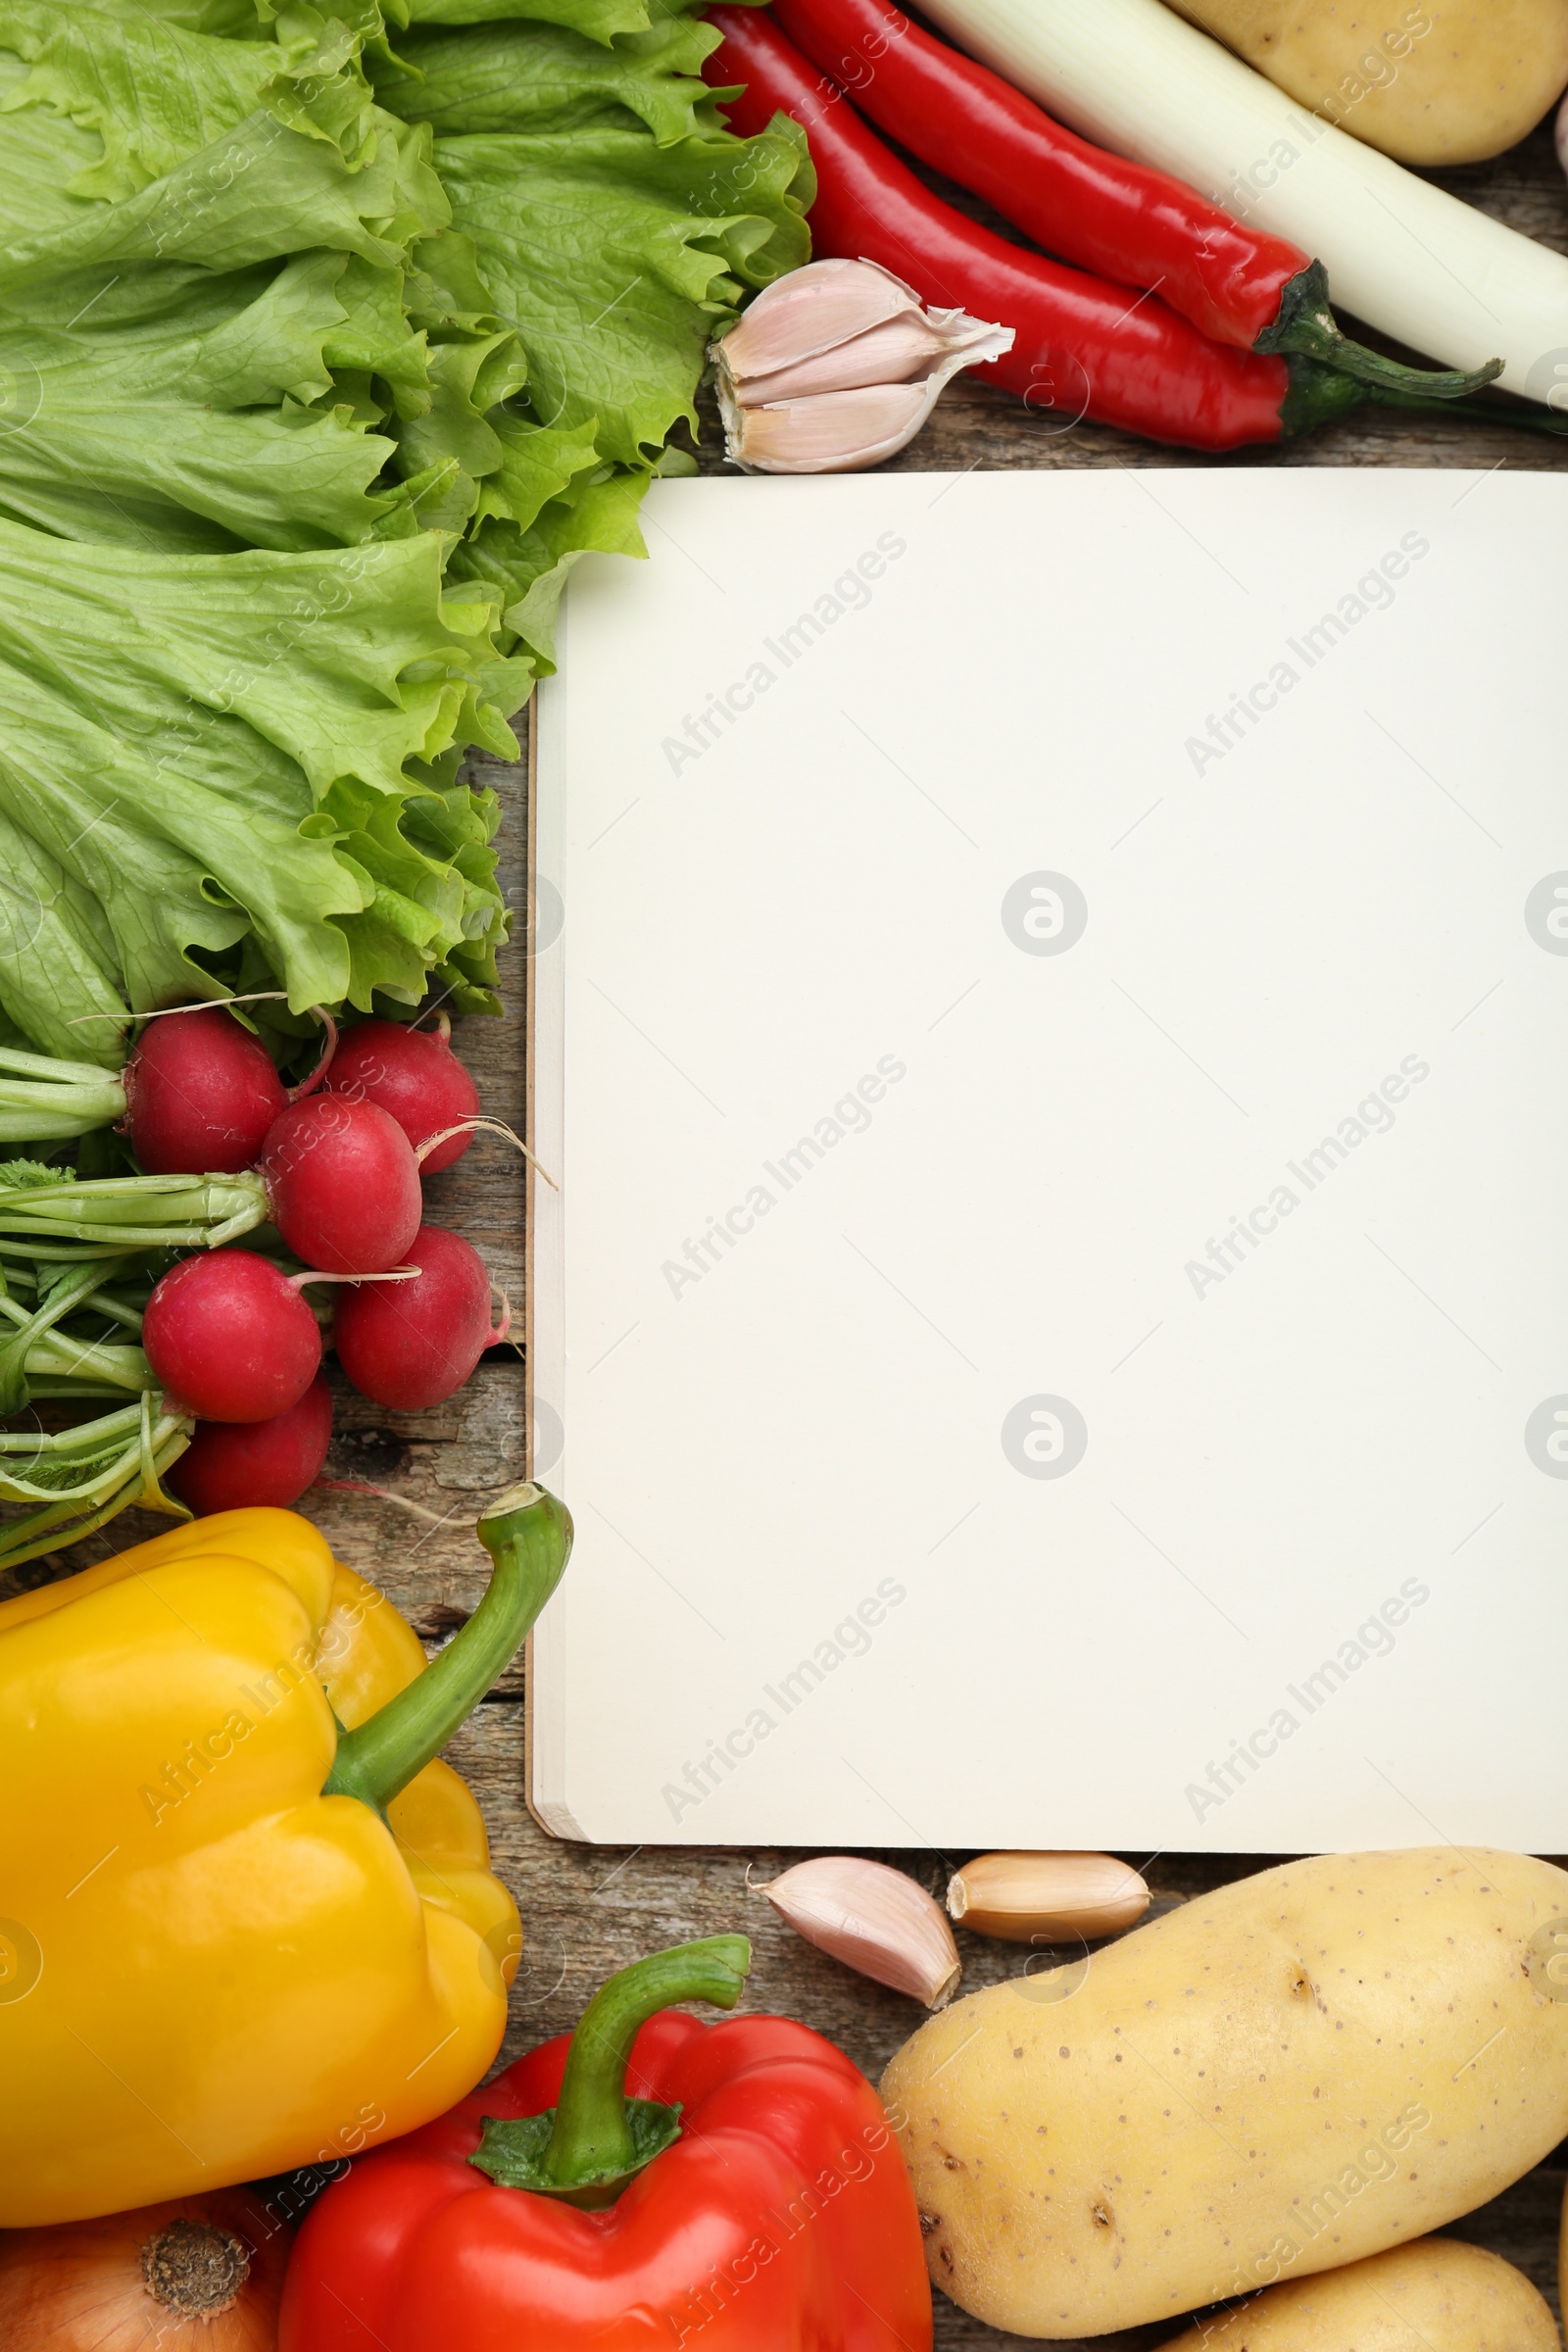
[1438, 2293]
[1285, 2075]
[1444, 81]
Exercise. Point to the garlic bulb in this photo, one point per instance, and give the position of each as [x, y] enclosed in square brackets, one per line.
[1047, 1899]
[874, 1920]
[837, 365]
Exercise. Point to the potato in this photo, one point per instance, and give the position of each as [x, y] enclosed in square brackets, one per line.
[1278, 2079]
[1437, 2293]
[1444, 82]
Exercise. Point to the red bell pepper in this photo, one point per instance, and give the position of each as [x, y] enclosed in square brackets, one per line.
[748, 2197]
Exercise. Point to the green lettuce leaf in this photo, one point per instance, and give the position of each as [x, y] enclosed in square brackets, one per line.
[186, 429]
[41, 154]
[619, 260]
[543, 78]
[326, 362]
[552, 501]
[596, 20]
[156, 94]
[250, 761]
[58, 965]
[258, 193]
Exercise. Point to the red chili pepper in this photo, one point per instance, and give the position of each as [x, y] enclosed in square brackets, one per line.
[761, 2199]
[1124, 220]
[1083, 347]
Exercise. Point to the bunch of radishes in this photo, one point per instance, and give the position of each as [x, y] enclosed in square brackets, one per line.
[229, 1334]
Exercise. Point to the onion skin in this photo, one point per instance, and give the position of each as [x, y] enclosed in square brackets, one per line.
[80, 2287]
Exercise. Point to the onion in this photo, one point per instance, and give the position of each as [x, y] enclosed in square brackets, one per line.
[202, 2275]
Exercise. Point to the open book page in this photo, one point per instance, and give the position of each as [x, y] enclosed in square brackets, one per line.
[1053, 1326]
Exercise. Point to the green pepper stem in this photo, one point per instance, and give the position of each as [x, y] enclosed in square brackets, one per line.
[1319, 393]
[592, 2137]
[1306, 326]
[527, 1534]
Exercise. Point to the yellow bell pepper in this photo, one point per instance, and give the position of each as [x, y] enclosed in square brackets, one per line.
[246, 1922]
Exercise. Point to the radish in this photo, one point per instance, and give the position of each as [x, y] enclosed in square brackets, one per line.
[413, 1074]
[242, 1465]
[414, 1344]
[229, 1338]
[343, 1185]
[201, 1092]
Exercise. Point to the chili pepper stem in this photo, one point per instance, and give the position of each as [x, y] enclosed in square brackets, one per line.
[1318, 393]
[527, 1534]
[1306, 328]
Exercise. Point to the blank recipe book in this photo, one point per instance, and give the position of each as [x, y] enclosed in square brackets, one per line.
[1050, 1023]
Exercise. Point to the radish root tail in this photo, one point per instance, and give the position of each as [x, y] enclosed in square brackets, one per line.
[494, 1127]
[261, 996]
[396, 1274]
[308, 1086]
[405, 1503]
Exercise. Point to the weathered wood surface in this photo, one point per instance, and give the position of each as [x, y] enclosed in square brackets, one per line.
[589, 1910]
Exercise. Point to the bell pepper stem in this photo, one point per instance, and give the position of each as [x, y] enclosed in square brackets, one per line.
[527, 1534]
[592, 2137]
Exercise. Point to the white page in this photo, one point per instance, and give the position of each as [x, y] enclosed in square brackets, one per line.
[1286, 1574]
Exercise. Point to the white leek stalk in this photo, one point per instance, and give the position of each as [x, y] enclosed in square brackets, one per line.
[1402, 254]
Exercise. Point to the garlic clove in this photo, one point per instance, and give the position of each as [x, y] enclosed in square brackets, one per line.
[836, 366]
[812, 309]
[837, 432]
[894, 353]
[1047, 1897]
[873, 1918]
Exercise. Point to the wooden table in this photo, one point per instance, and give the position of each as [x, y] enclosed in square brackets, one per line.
[588, 1910]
